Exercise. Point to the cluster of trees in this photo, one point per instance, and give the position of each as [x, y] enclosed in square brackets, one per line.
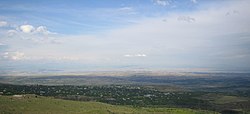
[112, 94]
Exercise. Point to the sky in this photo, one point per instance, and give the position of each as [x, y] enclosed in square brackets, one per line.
[62, 36]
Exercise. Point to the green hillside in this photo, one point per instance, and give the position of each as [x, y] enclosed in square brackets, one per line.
[31, 104]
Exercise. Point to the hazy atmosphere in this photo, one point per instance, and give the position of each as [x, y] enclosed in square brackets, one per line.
[124, 57]
[75, 36]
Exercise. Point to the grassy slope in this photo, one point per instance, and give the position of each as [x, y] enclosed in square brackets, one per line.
[44, 105]
[223, 99]
[229, 99]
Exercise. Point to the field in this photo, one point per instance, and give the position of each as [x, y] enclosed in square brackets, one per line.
[33, 104]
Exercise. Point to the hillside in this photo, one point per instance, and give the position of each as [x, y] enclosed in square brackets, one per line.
[31, 104]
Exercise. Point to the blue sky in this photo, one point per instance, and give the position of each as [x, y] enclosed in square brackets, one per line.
[88, 16]
[75, 36]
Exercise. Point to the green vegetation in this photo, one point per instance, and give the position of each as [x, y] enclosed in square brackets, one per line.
[112, 94]
[220, 92]
[32, 104]
[230, 99]
[135, 96]
[223, 99]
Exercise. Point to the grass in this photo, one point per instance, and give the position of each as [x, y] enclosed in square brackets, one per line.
[229, 99]
[30, 104]
[223, 99]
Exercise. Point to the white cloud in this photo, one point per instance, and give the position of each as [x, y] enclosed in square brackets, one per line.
[127, 10]
[13, 55]
[43, 30]
[54, 58]
[35, 38]
[16, 55]
[162, 2]
[176, 43]
[27, 28]
[135, 55]
[11, 32]
[170, 43]
[38, 34]
[3, 23]
[194, 1]
[32, 29]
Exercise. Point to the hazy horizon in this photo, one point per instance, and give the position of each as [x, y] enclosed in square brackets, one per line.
[62, 36]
